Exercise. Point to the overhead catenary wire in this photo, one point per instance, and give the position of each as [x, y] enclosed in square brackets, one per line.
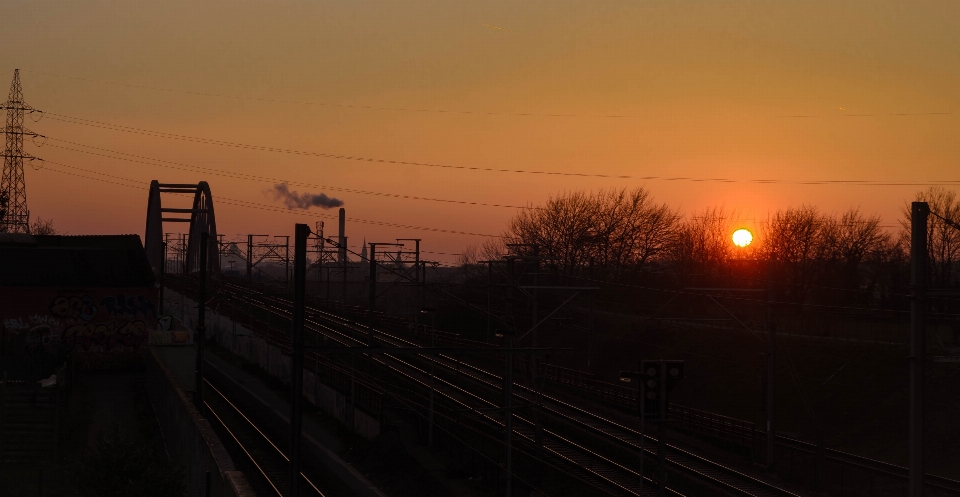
[251, 177]
[253, 205]
[264, 148]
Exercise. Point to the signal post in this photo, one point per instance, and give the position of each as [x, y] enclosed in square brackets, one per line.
[656, 378]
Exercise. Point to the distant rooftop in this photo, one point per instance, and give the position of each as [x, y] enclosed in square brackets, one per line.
[73, 261]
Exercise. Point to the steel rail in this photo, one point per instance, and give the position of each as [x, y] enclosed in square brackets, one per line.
[693, 464]
[521, 390]
[518, 430]
[261, 433]
[688, 462]
[243, 448]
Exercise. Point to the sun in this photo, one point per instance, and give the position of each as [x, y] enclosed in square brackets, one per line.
[742, 237]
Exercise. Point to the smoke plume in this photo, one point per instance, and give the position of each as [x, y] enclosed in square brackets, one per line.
[294, 200]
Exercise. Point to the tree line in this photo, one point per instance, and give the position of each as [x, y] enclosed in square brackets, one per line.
[612, 235]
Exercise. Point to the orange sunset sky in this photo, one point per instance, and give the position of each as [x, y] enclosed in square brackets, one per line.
[794, 91]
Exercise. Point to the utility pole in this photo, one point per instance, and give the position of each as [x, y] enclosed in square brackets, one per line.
[661, 434]
[321, 255]
[771, 381]
[628, 376]
[372, 297]
[14, 215]
[342, 246]
[533, 313]
[220, 249]
[489, 285]
[201, 328]
[163, 271]
[343, 289]
[372, 291]
[286, 258]
[918, 276]
[593, 308]
[508, 417]
[433, 343]
[508, 392]
[418, 282]
[302, 231]
[342, 253]
[643, 418]
[250, 258]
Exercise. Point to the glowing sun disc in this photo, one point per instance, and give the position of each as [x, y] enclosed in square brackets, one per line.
[742, 237]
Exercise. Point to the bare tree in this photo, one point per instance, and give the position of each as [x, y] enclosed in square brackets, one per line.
[41, 226]
[630, 229]
[562, 228]
[853, 238]
[855, 252]
[609, 230]
[793, 241]
[702, 242]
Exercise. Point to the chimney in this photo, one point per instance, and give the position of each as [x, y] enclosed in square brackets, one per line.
[342, 256]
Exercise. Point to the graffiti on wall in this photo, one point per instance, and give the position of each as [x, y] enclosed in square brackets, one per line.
[121, 305]
[34, 330]
[89, 322]
[106, 336]
[122, 322]
[82, 308]
[85, 308]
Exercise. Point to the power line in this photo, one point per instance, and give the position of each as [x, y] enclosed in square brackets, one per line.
[250, 177]
[263, 148]
[253, 205]
[208, 141]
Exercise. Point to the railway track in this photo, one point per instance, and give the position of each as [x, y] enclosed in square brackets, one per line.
[346, 331]
[269, 474]
[594, 464]
[599, 475]
[700, 467]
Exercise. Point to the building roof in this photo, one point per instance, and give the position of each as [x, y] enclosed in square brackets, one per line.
[73, 261]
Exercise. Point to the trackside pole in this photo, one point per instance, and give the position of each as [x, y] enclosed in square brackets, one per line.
[918, 269]
[296, 354]
[201, 328]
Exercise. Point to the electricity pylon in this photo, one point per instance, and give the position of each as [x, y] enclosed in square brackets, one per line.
[14, 215]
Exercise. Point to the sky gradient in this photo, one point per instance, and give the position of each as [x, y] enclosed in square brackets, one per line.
[743, 90]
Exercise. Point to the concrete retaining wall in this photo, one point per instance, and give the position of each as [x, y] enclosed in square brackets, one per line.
[242, 342]
[189, 438]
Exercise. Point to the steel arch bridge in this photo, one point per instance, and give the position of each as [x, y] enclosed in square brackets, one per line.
[202, 220]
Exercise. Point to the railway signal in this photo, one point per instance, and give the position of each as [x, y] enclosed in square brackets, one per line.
[656, 380]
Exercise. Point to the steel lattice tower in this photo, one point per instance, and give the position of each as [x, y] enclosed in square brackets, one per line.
[14, 215]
